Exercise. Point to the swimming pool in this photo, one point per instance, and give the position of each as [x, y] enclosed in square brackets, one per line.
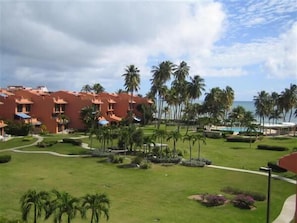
[234, 129]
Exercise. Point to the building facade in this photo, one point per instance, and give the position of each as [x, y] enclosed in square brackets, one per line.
[58, 111]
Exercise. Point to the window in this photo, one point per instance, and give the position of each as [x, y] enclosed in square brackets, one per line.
[19, 108]
[28, 108]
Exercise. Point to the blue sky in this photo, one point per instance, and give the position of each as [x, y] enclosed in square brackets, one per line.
[249, 45]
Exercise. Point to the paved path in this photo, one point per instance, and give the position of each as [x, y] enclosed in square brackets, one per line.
[288, 210]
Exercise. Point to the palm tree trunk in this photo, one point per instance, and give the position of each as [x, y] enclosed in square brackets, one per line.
[35, 214]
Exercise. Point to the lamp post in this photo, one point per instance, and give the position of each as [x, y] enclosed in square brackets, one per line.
[267, 169]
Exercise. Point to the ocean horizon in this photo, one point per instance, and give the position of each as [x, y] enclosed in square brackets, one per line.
[249, 106]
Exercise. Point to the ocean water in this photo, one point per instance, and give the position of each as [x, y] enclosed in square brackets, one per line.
[249, 106]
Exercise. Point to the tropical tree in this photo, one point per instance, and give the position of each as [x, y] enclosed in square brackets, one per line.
[180, 85]
[237, 115]
[161, 74]
[263, 105]
[289, 100]
[98, 204]
[161, 135]
[195, 87]
[86, 88]
[227, 98]
[201, 139]
[214, 105]
[97, 88]
[33, 199]
[175, 136]
[251, 128]
[103, 135]
[191, 138]
[63, 204]
[132, 82]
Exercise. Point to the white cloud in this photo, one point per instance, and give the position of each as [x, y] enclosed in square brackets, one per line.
[282, 62]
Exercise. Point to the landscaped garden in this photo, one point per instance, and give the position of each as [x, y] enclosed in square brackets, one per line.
[159, 193]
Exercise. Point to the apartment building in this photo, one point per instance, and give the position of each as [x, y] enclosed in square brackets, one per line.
[60, 110]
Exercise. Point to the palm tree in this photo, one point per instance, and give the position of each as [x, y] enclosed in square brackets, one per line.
[289, 99]
[160, 134]
[200, 138]
[191, 139]
[214, 104]
[97, 88]
[263, 105]
[175, 135]
[63, 204]
[161, 74]
[251, 127]
[86, 88]
[34, 199]
[98, 204]
[228, 98]
[132, 82]
[195, 87]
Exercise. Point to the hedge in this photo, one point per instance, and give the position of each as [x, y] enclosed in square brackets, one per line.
[276, 168]
[274, 148]
[76, 142]
[165, 160]
[234, 191]
[5, 158]
[241, 139]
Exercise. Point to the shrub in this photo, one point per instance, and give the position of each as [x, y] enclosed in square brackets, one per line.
[165, 160]
[137, 160]
[240, 139]
[193, 163]
[5, 158]
[45, 144]
[115, 159]
[76, 142]
[234, 191]
[276, 168]
[146, 165]
[206, 161]
[213, 134]
[274, 148]
[210, 200]
[243, 201]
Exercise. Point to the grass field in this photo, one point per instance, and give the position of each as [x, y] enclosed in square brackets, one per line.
[147, 195]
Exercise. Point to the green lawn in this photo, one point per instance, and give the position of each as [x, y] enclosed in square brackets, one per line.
[146, 195]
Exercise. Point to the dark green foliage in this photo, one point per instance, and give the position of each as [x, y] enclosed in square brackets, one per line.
[274, 148]
[137, 160]
[146, 165]
[276, 168]
[241, 139]
[5, 158]
[234, 191]
[175, 160]
[193, 163]
[17, 128]
[45, 144]
[75, 142]
[115, 159]
[213, 134]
